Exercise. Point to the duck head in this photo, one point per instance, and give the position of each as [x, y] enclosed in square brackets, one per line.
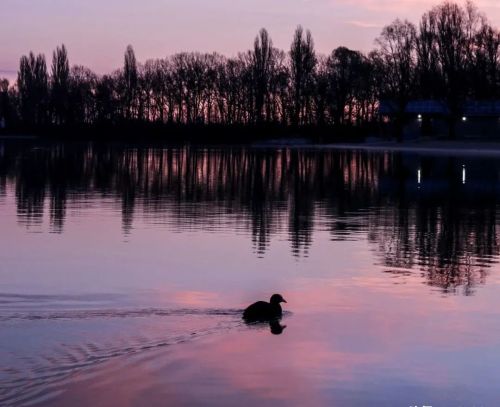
[276, 299]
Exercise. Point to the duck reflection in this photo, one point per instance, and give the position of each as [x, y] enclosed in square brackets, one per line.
[275, 326]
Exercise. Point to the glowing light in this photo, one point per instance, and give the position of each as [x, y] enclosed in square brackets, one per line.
[419, 176]
[463, 174]
[464, 119]
[419, 117]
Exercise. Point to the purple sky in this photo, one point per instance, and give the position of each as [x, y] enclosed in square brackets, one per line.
[96, 32]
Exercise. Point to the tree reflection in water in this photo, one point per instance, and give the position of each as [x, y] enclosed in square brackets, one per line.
[434, 223]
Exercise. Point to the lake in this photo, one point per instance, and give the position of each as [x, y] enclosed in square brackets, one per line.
[125, 268]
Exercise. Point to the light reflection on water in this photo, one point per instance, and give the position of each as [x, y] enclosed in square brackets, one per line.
[125, 268]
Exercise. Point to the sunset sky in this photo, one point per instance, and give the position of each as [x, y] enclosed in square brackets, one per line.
[96, 32]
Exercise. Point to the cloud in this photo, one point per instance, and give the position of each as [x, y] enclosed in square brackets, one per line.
[408, 7]
[364, 24]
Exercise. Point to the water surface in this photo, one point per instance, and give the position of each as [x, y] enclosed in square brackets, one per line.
[124, 270]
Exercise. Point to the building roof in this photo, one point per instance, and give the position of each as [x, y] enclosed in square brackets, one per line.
[472, 108]
[387, 107]
[426, 107]
[482, 108]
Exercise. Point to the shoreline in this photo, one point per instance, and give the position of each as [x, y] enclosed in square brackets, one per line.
[443, 147]
[469, 147]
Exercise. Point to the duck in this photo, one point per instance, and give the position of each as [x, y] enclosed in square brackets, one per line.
[264, 311]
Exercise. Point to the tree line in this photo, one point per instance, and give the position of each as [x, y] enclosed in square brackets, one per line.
[451, 55]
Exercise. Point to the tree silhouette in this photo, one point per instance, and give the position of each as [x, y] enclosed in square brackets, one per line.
[33, 88]
[455, 31]
[302, 72]
[344, 70]
[397, 51]
[59, 82]
[82, 96]
[452, 57]
[428, 70]
[130, 81]
[484, 70]
[261, 60]
[5, 106]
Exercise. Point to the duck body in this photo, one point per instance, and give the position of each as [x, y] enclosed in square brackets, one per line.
[264, 311]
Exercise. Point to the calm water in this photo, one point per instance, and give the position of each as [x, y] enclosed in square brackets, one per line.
[124, 271]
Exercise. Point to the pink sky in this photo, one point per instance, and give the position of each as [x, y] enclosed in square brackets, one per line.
[97, 32]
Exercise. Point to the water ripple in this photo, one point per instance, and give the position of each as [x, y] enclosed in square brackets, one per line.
[41, 376]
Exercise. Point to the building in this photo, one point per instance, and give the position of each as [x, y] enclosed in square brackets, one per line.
[479, 119]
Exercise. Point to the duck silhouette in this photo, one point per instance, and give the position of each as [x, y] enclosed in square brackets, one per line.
[264, 311]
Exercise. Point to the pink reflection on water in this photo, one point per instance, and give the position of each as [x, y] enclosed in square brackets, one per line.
[339, 337]
[196, 298]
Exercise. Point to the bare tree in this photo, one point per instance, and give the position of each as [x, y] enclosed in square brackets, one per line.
[59, 81]
[484, 71]
[455, 29]
[5, 105]
[397, 51]
[262, 58]
[32, 84]
[344, 69]
[455, 55]
[130, 78]
[302, 69]
[82, 96]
